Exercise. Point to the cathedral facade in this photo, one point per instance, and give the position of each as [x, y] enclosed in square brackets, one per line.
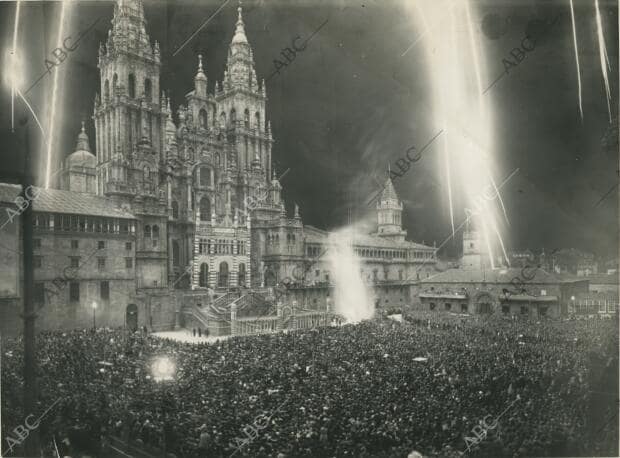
[185, 203]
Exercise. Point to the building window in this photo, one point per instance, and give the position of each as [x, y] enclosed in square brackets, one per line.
[74, 291]
[524, 310]
[128, 263]
[176, 260]
[431, 306]
[223, 277]
[75, 262]
[205, 176]
[128, 246]
[37, 261]
[75, 244]
[100, 245]
[100, 263]
[131, 87]
[148, 90]
[242, 274]
[203, 279]
[505, 309]
[202, 116]
[205, 209]
[36, 243]
[155, 232]
[463, 308]
[104, 290]
[147, 231]
[175, 209]
[39, 294]
[448, 306]
[542, 311]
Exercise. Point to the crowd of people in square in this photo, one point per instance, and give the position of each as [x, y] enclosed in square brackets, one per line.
[379, 388]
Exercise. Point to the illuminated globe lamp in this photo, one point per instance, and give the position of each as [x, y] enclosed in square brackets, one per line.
[163, 369]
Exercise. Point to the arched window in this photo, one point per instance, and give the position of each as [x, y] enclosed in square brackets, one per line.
[246, 118]
[146, 172]
[203, 280]
[148, 90]
[155, 232]
[114, 83]
[175, 209]
[223, 120]
[106, 90]
[147, 231]
[202, 118]
[223, 276]
[176, 253]
[205, 176]
[277, 238]
[233, 116]
[217, 158]
[205, 209]
[242, 274]
[257, 120]
[131, 86]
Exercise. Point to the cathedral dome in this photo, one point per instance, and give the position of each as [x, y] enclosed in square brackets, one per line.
[82, 157]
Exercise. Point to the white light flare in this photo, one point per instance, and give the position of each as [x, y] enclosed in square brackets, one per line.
[572, 16]
[456, 71]
[439, 120]
[14, 55]
[52, 108]
[602, 50]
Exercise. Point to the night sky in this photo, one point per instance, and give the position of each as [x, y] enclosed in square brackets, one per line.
[349, 104]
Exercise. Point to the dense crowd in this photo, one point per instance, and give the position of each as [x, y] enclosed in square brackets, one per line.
[380, 388]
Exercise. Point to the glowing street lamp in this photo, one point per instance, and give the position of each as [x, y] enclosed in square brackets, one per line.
[163, 369]
[94, 307]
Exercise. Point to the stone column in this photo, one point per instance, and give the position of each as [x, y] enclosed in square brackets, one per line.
[189, 198]
[280, 323]
[233, 320]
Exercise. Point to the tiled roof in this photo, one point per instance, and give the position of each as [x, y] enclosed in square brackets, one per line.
[528, 298]
[57, 201]
[603, 279]
[315, 235]
[496, 276]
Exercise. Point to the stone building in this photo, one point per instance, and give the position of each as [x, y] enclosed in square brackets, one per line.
[476, 289]
[185, 203]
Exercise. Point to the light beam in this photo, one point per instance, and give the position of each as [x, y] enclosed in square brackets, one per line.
[602, 50]
[55, 90]
[572, 16]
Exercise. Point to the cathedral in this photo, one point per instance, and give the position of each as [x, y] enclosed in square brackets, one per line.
[184, 203]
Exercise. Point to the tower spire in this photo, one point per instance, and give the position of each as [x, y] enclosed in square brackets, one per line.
[200, 74]
[82, 143]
